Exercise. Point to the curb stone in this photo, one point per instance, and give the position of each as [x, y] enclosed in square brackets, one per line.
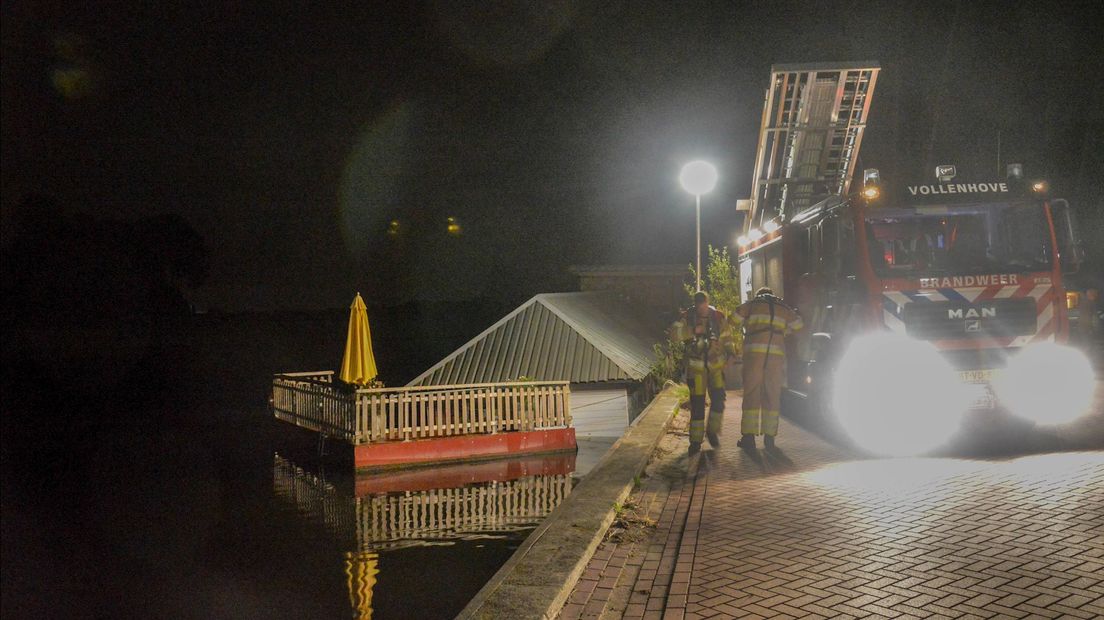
[536, 581]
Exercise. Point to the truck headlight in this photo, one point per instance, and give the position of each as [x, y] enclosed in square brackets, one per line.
[897, 396]
[1048, 383]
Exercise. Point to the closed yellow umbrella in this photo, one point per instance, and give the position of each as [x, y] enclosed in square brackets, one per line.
[358, 365]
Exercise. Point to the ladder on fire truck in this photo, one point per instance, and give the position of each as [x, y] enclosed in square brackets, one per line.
[812, 127]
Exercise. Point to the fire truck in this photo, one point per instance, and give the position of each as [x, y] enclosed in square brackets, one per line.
[923, 300]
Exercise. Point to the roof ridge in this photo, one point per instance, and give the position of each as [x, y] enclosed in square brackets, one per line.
[617, 340]
[615, 356]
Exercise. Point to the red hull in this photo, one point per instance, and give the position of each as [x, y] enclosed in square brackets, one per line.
[390, 455]
[448, 477]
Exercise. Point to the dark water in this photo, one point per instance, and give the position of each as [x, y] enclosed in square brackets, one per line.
[207, 527]
[165, 490]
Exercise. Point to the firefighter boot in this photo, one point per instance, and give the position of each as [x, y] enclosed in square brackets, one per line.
[714, 440]
[747, 442]
[695, 447]
[768, 442]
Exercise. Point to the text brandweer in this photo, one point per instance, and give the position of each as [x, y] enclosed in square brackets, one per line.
[959, 281]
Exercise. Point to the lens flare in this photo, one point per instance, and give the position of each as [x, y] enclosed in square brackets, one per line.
[504, 34]
[897, 396]
[372, 177]
[1047, 383]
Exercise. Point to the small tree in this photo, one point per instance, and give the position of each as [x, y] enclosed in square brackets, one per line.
[667, 365]
[721, 280]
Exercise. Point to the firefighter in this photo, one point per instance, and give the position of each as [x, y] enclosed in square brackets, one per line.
[707, 335]
[767, 321]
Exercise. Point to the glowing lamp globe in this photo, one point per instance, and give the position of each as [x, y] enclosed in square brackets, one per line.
[698, 177]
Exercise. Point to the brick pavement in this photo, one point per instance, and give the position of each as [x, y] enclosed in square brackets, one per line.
[631, 579]
[815, 532]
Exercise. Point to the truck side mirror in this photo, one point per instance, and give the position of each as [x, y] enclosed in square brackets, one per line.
[1070, 250]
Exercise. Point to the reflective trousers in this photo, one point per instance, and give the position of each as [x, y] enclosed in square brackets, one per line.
[702, 380]
[763, 375]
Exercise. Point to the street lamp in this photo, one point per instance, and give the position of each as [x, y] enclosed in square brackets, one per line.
[698, 177]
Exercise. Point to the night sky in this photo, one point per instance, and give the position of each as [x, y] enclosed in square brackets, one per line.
[290, 136]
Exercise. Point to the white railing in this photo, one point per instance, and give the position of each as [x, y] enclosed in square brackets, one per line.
[314, 401]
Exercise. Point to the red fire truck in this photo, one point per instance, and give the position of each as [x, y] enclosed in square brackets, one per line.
[921, 303]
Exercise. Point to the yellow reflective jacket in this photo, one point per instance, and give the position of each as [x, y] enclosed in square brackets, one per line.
[766, 322]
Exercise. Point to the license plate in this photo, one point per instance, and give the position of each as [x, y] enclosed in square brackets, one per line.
[977, 376]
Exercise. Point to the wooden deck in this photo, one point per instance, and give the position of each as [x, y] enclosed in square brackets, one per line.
[460, 422]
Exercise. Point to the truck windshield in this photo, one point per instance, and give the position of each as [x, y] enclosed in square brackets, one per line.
[963, 240]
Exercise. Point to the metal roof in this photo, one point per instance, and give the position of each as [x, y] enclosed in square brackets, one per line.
[578, 337]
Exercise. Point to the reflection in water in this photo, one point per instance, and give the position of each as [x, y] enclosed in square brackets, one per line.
[423, 507]
[314, 498]
[414, 517]
[361, 568]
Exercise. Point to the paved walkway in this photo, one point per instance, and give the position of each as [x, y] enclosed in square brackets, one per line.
[815, 532]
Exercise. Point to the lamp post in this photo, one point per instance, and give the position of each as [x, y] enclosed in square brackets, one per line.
[698, 178]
